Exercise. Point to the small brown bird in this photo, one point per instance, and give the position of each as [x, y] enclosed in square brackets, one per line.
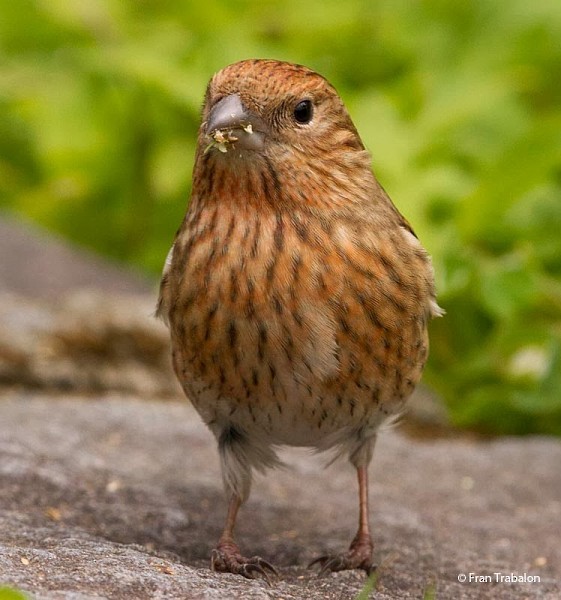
[296, 294]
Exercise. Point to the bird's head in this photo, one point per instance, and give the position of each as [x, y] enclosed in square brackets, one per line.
[268, 107]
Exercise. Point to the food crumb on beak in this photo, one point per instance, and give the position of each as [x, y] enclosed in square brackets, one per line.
[221, 138]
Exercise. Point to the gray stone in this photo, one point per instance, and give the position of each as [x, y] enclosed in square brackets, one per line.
[38, 264]
[120, 498]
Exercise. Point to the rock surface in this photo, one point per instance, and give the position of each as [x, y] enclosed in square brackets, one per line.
[37, 264]
[88, 342]
[120, 498]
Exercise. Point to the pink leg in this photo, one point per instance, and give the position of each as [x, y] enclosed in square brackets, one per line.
[227, 558]
[359, 554]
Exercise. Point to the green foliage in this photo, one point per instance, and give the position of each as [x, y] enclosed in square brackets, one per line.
[460, 104]
[429, 592]
[369, 587]
[11, 594]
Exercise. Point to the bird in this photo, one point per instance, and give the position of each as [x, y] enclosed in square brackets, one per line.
[296, 294]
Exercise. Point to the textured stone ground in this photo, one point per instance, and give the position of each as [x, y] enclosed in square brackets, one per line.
[119, 498]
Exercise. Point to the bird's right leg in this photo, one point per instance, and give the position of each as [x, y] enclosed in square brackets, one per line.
[236, 457]
[227, 558]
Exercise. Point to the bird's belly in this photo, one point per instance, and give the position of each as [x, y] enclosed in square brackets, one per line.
[298, 419]
[301, 393]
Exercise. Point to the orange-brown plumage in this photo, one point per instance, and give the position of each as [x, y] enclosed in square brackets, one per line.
[297, 295]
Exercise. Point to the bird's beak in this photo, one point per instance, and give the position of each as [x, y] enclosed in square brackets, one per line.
[230, 124]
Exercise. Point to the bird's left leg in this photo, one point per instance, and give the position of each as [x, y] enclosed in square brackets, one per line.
[359, 554]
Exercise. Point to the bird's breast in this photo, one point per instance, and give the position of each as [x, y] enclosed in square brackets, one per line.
[295, 326]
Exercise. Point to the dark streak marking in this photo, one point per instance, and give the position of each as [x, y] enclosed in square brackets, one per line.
[208, 321]
[270, 273]
[267, 192]
[301, 229]
[228, 236]
[279, 233]
[232, 334]
[277, 304]
[262, 340]
[234, 287]
[209, 178]
[274, 177]
[296, 263]
[250, 308]
[321, 281]
[256, 236]
[307, 365]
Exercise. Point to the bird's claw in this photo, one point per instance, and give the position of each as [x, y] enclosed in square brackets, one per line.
[359, 556]
[229, 560]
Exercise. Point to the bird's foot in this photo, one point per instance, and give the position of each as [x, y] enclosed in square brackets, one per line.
[358, 556]
[226, 558]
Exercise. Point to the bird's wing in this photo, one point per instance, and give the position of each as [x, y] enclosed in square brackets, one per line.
[162, 308]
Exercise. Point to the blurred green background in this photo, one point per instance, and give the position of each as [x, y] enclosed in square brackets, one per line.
[459, 103]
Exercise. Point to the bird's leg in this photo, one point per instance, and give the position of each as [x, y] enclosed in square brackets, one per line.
[227, 558]
[226, 542]
[362, 545]
[359, 554]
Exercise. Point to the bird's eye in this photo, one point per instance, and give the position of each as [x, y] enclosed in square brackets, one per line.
[303, 111]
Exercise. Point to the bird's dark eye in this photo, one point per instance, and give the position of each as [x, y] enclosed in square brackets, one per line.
[303, 111]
